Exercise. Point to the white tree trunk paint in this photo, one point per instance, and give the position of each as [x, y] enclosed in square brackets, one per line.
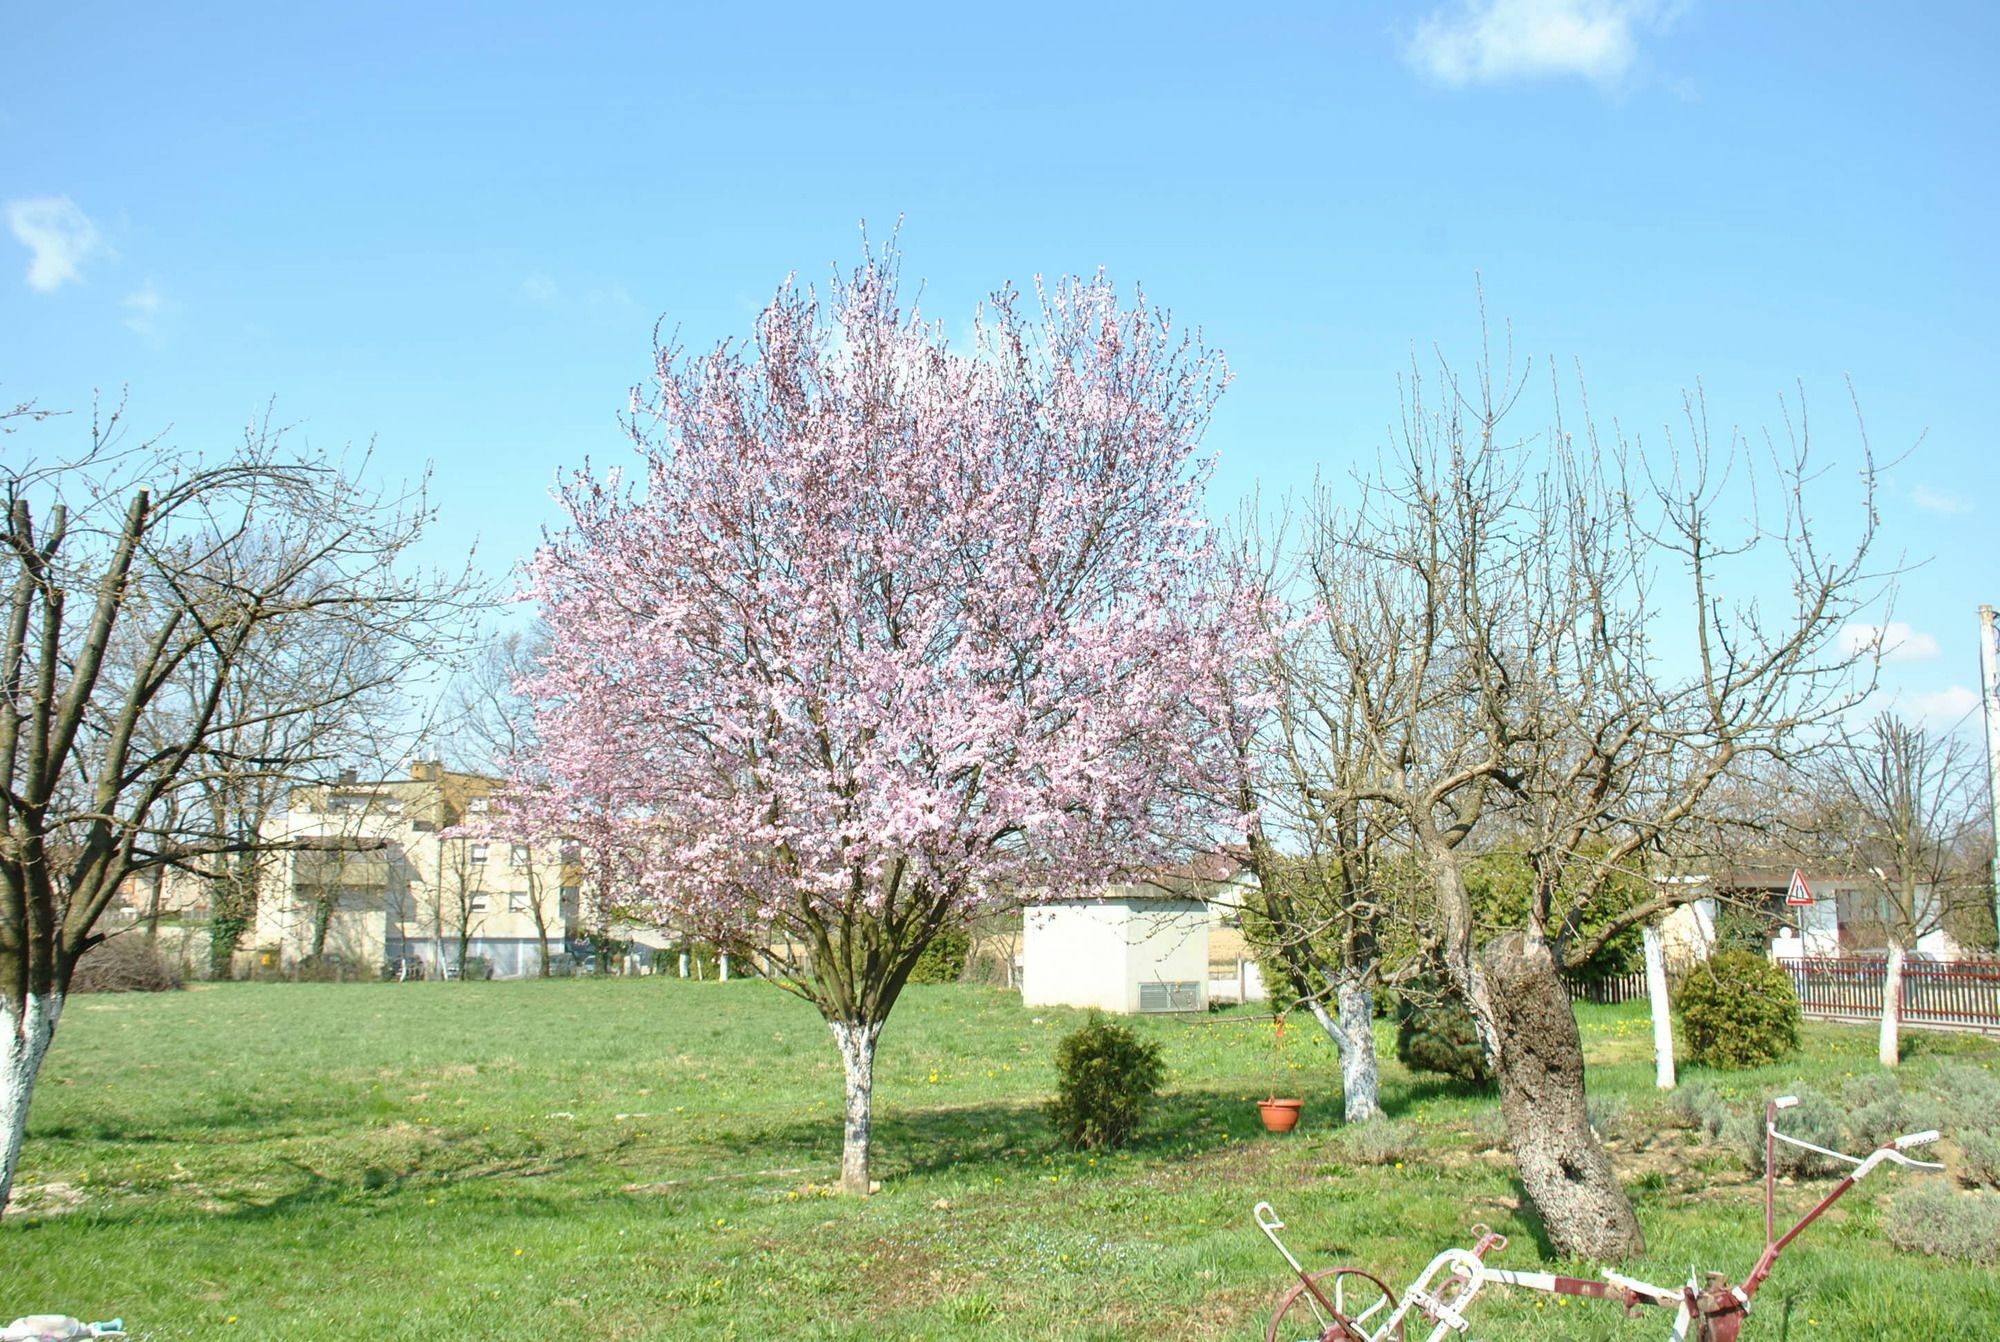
[1663, 1020]
[1892, 1005]
[723, 961]
[684, 964]
[857, 1052]
[25, 1041]
[1360, 1076]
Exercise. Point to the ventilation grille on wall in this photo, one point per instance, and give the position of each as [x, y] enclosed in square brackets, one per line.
[1170, 997]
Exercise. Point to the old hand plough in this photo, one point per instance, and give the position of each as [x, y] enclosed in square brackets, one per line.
[1346, 1304]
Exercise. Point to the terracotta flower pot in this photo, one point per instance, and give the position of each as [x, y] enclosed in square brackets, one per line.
[1280, 1115]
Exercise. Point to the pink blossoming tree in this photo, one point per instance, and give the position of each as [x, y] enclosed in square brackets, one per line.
[887, 633]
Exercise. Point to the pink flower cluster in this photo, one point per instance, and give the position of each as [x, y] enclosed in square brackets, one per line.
[883, 619]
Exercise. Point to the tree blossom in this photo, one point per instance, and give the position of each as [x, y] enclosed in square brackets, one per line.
[882, 634]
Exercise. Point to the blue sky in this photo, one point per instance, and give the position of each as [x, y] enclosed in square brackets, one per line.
[452, 230]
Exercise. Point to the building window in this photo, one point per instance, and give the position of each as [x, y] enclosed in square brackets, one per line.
[517, 855]
[476, 853]
[570, 898]
[517, 902]
[478, 805]
[480, 904]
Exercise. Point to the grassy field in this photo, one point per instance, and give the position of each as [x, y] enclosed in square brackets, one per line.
[647, 1158]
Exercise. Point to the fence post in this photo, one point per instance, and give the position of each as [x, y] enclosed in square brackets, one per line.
[1656, 996]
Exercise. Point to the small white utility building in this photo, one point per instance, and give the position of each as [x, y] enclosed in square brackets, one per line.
[1135, 949]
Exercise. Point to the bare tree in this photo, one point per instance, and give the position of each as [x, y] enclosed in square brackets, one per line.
[1317, 852]
[1901, 804]
[493, 732]
[462, 894]
[492, 723]
[139, 583]
[1532, 636]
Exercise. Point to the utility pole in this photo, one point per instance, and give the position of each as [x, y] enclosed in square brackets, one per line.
[1989, 675]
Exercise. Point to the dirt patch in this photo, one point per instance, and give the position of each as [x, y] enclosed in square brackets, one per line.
[50, 1199]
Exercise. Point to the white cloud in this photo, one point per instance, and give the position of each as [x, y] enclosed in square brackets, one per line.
[540, 290]
[58, 237]
[1939, 500]
[1492, 41]
[1897, 641]
[1943, 709]
[142, 307]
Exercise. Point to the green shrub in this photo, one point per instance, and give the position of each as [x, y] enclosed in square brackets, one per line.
[1967, 1098]
[1738, 1010]
[1703, 1107]
[1935, 1220]
[1817, 1119]
[1106, 1079]
[1878, 1110]
[1743, 929]
[127, 963]
[1435, 1033]
[1606, 1112]
[943, 960]
[1381, 1142]
[1979, 1157]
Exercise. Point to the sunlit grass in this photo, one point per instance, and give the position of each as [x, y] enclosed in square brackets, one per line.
[648, 1158]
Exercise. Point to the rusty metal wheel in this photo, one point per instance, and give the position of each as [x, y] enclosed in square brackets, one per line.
[1359, 1298]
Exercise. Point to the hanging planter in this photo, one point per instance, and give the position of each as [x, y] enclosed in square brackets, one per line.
[1279, 1115]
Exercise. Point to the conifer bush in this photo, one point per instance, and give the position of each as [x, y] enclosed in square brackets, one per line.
[943, 959]
[1738, 1010]
[1435, 1033]
[1106, 1079]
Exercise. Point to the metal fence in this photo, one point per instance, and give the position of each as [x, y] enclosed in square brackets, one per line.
[1959, 994]
[1609, 991]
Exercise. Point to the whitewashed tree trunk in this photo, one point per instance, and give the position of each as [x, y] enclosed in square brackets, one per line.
[1360, 1077]
[24, 1041]
[857, 1052]
[1663, 1020]
[1353, 1034]
[1892, 1005]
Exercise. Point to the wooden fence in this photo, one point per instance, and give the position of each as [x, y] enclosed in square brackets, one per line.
[1959, 994]
[1609, 991]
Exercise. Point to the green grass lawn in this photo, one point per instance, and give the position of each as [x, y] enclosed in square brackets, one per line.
[647, 1158]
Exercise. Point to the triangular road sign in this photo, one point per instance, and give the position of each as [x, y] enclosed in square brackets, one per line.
[1800, 893]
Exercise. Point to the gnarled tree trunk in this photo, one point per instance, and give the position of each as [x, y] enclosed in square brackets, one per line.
[856, 1041]
[1538, 1058]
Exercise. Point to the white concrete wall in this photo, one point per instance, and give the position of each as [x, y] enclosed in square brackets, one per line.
[1167, 942]
[1075, 955]
[1098, 953]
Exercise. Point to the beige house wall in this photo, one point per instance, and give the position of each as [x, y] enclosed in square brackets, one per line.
[403, 886]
